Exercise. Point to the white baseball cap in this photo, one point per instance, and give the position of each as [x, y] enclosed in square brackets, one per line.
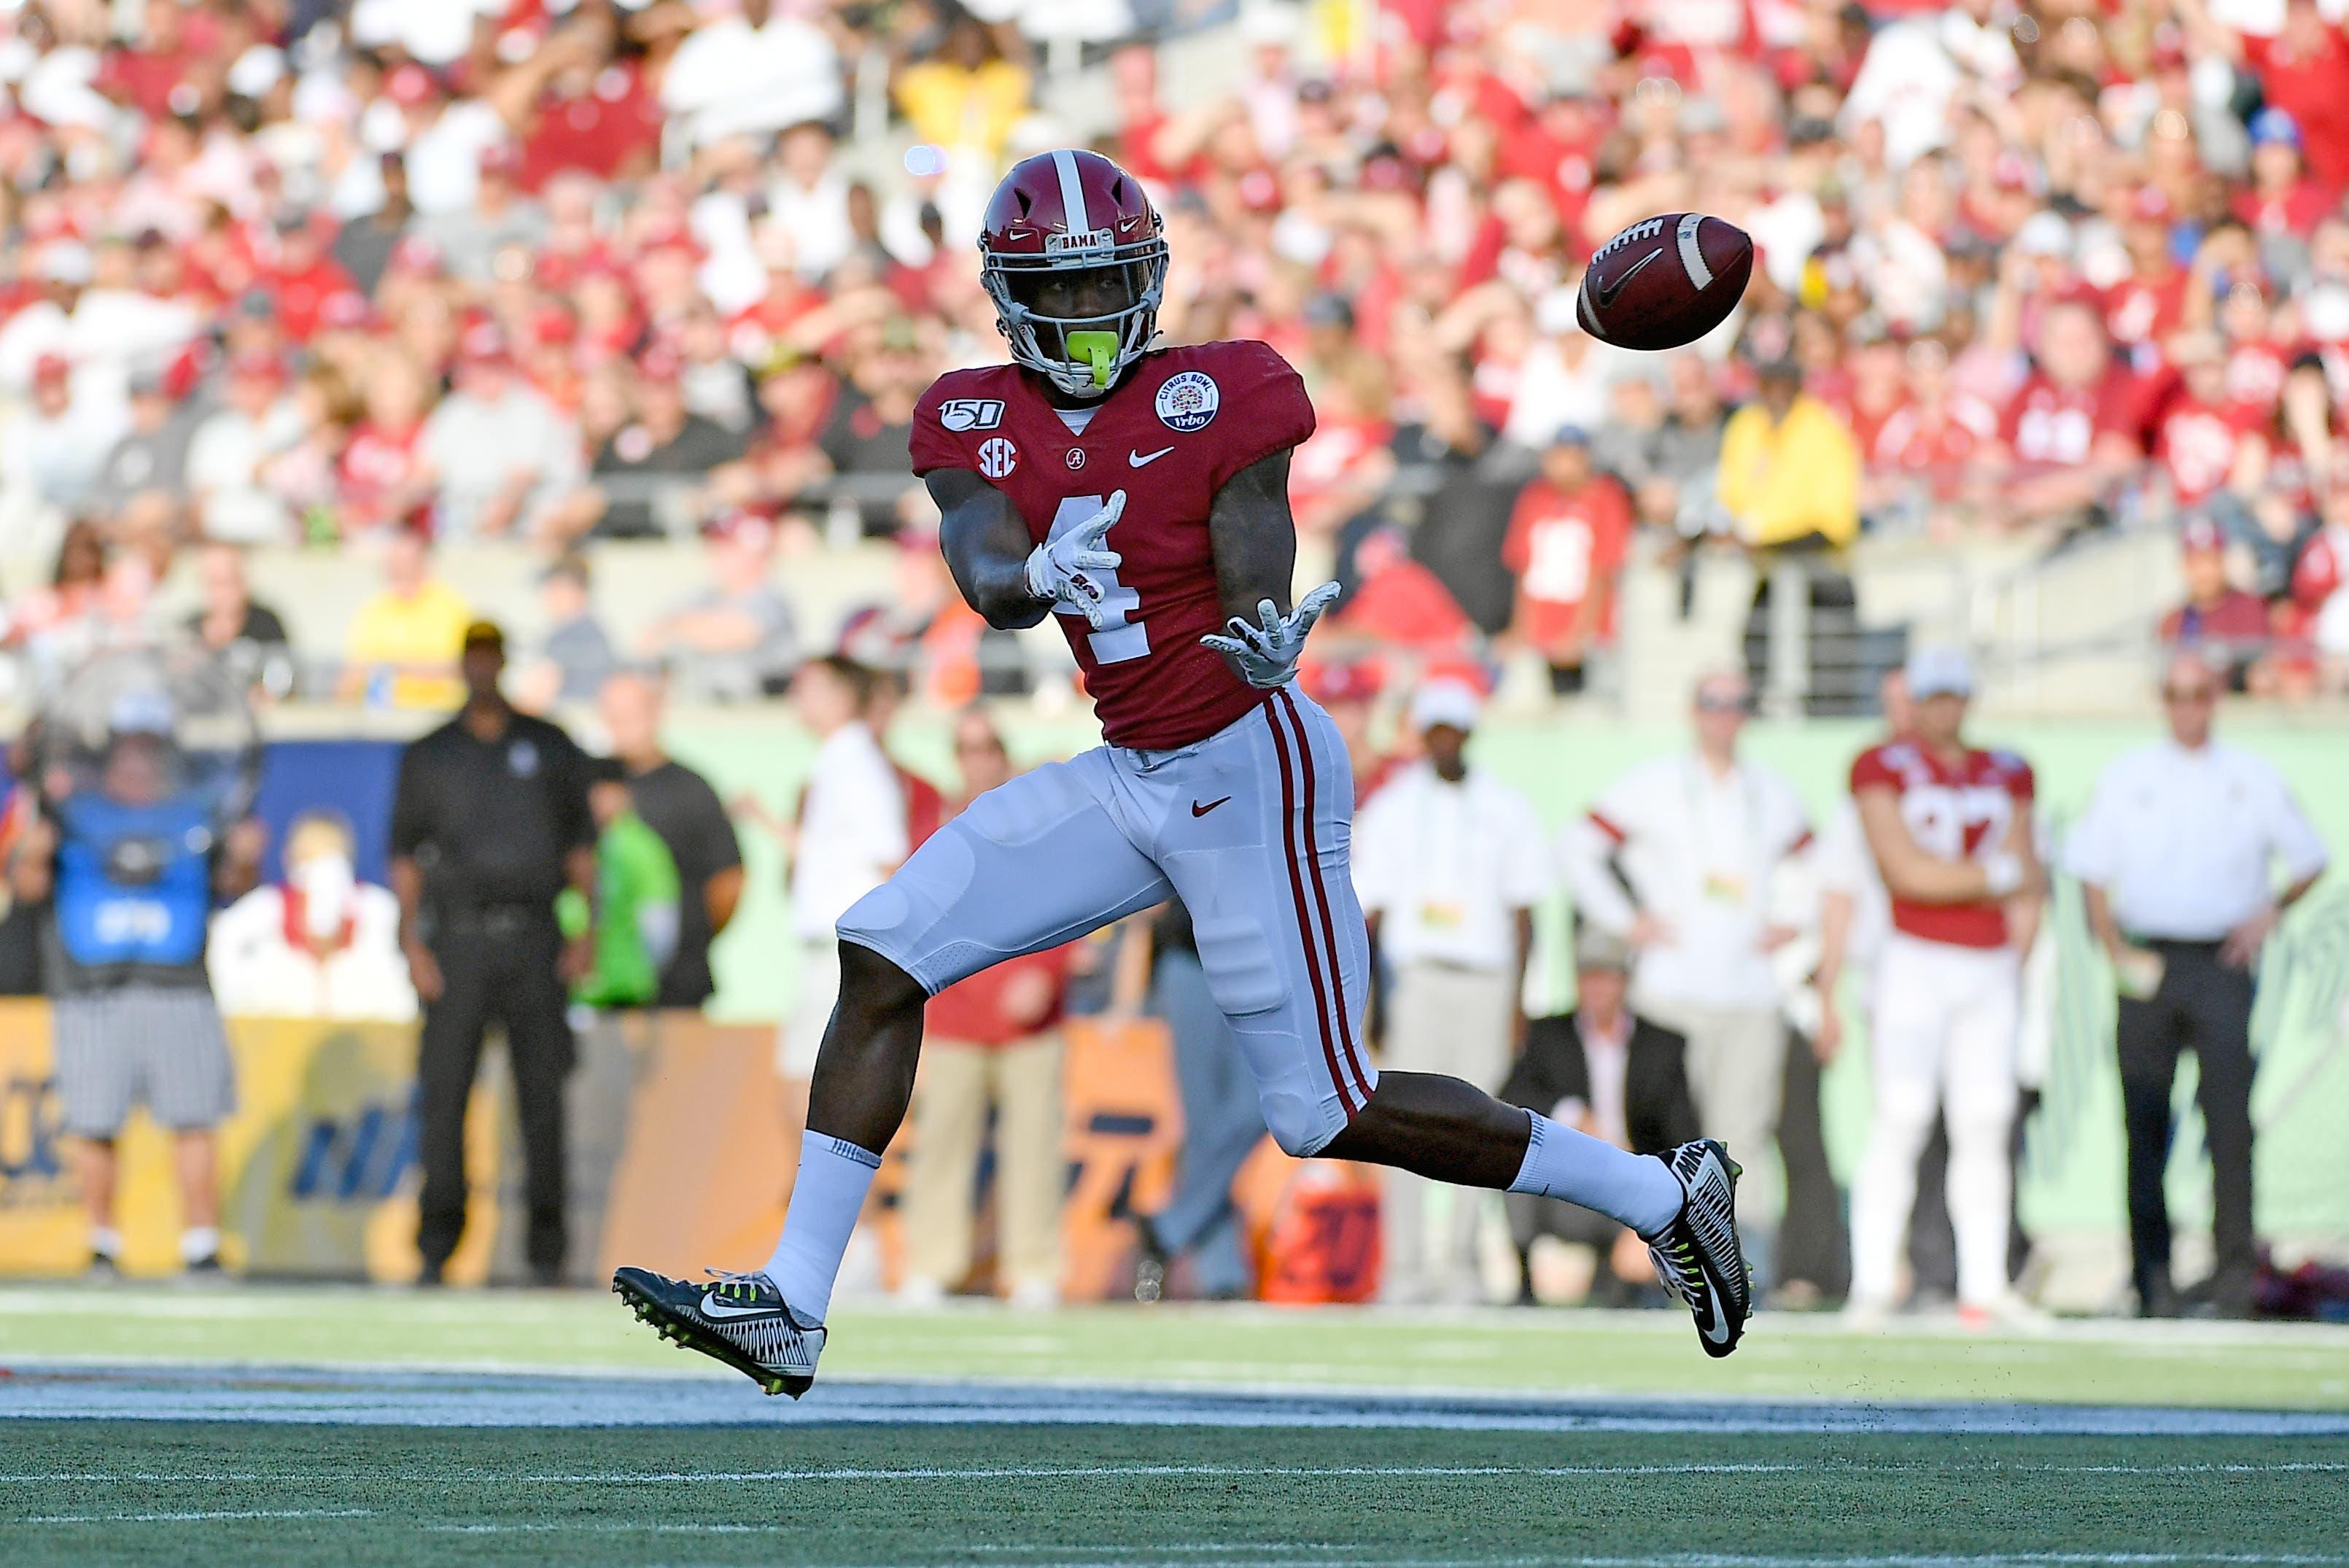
[1445, 700]
[1939, 672]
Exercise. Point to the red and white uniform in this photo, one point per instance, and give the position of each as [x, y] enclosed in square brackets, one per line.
[2048, 427]
[1947, 1000]
[1238, 800]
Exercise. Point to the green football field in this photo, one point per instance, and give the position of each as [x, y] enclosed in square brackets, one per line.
[360, 1427]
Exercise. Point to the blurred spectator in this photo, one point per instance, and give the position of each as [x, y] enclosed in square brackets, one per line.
[1605, 1071]
[1223, 1122]
[2066, 433]
[573, 656]
[490, 822]
[1568, 539]
[2177, 855]
[650, 465]
[1441, 863]
[2227, 625]
[991, 1042]
[402, 646]
[500, 452]
[152, 454]
[229, 456]
[129, 861]
[1789, 470]
[320, 943]
[752, 73]
[965, 98]
[1676, 857]
[637, 899]
[678, 804]
[2320, 589]
[53, 454]
[733, 640]
[248, 635]
[382, 474]
[848, 835]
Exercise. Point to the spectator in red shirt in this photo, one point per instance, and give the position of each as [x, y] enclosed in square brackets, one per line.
[2227, 625]
[1566, 546]
[2283, 197]
[2200, 435]
[304, 276]
[2148, 303]
[1935, 440]
[2300, 70]
[2067, 434]
[992, 1041]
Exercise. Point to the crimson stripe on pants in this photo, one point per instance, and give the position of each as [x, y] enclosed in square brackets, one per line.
[1304, 920]
[1322, 893]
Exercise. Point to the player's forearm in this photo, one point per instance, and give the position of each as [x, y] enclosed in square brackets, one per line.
[985, 546]
[997, 590]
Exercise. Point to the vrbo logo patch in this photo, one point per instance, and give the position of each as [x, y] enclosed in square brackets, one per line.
[359, 1158]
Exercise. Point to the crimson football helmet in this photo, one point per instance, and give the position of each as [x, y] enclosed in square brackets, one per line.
[1074, 256]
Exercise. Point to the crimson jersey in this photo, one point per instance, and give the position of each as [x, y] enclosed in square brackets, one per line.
[1182, 422]
[1959, 813]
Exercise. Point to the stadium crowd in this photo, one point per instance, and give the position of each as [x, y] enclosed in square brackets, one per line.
[454, 270]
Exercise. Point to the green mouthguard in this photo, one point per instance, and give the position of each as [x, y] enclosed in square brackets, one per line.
[1097, 348]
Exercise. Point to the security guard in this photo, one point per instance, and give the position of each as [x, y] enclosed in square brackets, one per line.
[490, 822]
[2178, 854]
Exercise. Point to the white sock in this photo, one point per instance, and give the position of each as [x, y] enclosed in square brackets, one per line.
[198, 1242]
[1635, 1190]
[834, 1175]
[106, 1240]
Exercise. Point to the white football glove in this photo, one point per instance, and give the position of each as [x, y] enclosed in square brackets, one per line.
[1067, 567]
[1266, 655]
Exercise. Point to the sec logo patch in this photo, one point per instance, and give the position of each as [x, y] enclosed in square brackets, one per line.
[997, 457]
[1187, 401]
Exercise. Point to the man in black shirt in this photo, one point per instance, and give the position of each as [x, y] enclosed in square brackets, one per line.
[678, 804]
[489, 823]
[666, 446]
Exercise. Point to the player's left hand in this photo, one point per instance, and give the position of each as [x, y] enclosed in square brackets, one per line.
[1266, 655]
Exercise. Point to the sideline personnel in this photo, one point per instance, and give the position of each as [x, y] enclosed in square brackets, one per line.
[2176, 856]
[489, 822]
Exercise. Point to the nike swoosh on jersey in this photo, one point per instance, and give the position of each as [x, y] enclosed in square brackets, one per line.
[1144, 459]
[714, 1306]
[1198, 810]
[1607, 293]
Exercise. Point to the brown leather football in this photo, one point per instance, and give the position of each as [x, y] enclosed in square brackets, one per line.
[1664, 282]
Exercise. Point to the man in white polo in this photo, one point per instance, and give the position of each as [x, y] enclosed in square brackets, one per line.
[2179, 856]
[1448, 865]
[1676, 857]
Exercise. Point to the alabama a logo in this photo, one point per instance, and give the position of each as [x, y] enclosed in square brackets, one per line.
[1187, 400]
[997, 457]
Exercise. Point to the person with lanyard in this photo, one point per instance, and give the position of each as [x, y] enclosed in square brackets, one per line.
[1676, 858]
[1448, 868]
[490, 822]
[2178, 857]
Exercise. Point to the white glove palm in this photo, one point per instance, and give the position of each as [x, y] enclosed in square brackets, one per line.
[1066, 568]
[1266, 655]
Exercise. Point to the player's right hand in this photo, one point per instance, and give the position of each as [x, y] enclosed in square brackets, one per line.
[1066, 568]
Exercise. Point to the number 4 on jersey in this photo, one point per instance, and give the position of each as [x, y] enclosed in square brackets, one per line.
[1121, 634]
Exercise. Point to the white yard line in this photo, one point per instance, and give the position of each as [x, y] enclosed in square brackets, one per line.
[192, 1518]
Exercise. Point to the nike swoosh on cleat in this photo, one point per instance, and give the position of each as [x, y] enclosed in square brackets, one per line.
[1144, 459]
[711, 1307]
[1605, 295]
[1198, 810]
[1716, 1326]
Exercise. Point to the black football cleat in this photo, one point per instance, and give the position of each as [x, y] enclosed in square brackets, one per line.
[1698, 1257]
[738, 1319]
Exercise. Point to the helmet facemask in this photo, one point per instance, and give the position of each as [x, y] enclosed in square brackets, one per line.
[1079, 316]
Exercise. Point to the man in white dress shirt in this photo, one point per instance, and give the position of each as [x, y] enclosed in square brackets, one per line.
[1676, 857]
[2177, 855]
[1448, 863]
[850, 835]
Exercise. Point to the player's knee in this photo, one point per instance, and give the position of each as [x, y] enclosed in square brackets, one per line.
[1300, 1127]
[875, 986]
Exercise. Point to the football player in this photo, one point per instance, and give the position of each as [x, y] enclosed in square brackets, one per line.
[1949, 825]
[1139, 495]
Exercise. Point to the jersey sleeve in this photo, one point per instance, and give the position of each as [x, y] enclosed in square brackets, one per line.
[1870, 769]
[931, 444]
[1265, 411]
[2021, 783]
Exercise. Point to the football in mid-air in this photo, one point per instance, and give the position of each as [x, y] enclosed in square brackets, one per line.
[1664, 282]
